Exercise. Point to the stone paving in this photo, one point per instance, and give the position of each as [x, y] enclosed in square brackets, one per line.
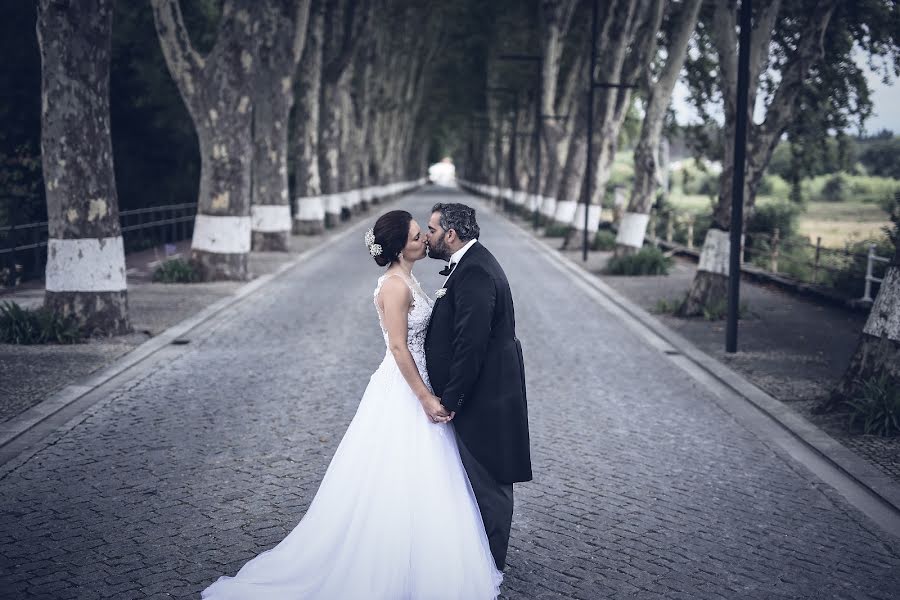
[210, 454]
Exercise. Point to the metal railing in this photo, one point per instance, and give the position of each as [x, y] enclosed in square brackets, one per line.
[870, 278]
[23, 248]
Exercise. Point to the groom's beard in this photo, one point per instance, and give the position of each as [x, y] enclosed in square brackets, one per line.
[439, 251]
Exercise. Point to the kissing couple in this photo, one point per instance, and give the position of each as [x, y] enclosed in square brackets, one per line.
[417, 502]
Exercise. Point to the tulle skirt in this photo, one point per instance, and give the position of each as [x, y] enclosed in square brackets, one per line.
[394, 517]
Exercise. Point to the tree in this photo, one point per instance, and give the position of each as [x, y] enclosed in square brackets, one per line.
[218, 91]
[277, 48]
[797, 46]
[309, 214]
[680, 26]
[626, 41]
[345, 23]
[877, 354]
[85, 276]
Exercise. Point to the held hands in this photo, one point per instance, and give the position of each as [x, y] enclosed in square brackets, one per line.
[432, 406]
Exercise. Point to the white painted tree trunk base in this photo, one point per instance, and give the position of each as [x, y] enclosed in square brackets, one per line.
[85, 265]
[565, 212]
[222, 234]
[884, 317]
[714, 257]
[270, 218]
[632, 230]
[548, 206]
[593, 218]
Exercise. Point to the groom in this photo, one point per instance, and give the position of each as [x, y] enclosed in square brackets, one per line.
[475, 365]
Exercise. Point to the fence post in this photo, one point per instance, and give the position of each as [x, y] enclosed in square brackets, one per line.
[670, 226]
[11, 257]
[690, 232]
[815, 277]
[773, 260]
[653, 225]
[867, 296]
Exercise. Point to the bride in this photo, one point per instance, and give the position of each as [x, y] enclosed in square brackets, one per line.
[394, 517]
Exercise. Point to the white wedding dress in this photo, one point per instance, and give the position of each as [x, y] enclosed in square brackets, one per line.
[394, 517]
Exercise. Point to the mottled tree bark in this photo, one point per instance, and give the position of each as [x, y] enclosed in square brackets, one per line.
[278, 46]
[217, 90]
[344, 23]
[85, 277]
[309, 214]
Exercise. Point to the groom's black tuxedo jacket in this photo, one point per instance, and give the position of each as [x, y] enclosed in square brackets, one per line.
[475, 365]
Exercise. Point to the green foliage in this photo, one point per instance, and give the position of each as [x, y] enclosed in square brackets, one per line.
[604, 240]
[766, 217]
[176, 270]
[875, 406]
[668, 307]
[881, 156]
[649, 260]
[839, 187]
[696, 182]
[557, 230]
[718, 310]
[39, 326]
[835, 189]
[774, 185]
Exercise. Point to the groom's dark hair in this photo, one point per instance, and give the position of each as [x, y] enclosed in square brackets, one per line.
[458, 217]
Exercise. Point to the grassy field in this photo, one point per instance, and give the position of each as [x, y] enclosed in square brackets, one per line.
[837, 223]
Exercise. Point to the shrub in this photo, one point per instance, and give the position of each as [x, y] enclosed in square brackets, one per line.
[176, 270]
[875, 406]
[604, 240]
[773, 185]
[649, 260]
[718, 310]
[850, 279]
[39, 326]
[556, 230]
[766, 217]
[668, 307]
[836, 189]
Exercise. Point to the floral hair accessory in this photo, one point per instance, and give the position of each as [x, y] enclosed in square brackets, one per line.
[374, 249]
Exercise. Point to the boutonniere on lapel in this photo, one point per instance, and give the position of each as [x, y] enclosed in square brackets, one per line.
[440, 293]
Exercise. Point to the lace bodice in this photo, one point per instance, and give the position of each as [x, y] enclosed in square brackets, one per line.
[417, 321]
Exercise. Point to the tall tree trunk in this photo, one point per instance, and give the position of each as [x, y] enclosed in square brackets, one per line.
[85, 277]
[217, 90]
[330, 151]
[878, 351]
[633, 226]
[710, 284]
[625, 42]
[279, 45]
[309, 207]
[344, 23]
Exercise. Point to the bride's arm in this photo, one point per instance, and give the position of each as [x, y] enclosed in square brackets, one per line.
[395, 302]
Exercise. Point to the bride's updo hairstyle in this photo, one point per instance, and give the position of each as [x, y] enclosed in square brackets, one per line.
[391, 232]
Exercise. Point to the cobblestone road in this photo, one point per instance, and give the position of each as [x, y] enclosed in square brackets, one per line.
[644, 487]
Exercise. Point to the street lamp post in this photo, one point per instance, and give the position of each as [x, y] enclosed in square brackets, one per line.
[737, 193]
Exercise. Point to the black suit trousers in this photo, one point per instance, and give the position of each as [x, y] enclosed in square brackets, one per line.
[495, 502]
